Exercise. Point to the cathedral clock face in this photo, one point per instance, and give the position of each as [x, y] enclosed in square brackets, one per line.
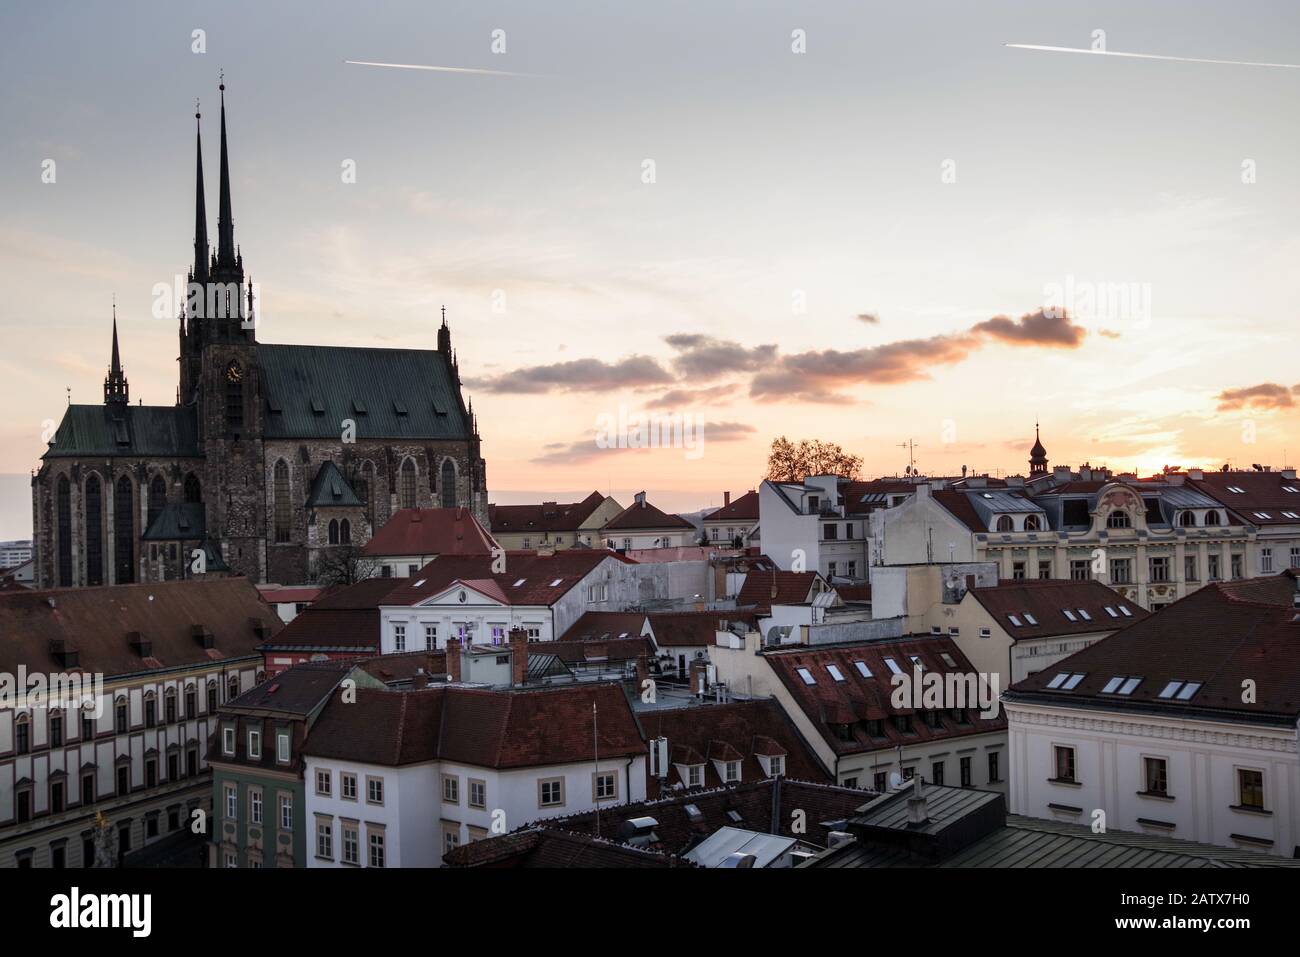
[233, 373]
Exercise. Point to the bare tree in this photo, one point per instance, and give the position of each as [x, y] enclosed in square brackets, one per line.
[788, 462]
[344, 565]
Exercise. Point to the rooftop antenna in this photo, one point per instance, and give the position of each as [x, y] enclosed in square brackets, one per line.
[911, 454]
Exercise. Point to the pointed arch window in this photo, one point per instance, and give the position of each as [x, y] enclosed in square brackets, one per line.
[234, 396]
[283, 508]
[63, 508]
[94, 531]
[124, 530]
[334, 531]
[157, 497]
[448, 482]
[193, 490]
[407, 497]
[345, 532]
[366, 491]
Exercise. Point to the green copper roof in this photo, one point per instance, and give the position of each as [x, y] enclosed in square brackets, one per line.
[331, 488]
[178, 522]
[389, 393]
[145, 430]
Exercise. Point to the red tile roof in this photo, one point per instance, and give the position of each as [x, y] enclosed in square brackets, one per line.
[490, 728]
[280, 595]
[959, 505]
[431, 531]
[1219, 636]
[737, 731]
[695, 628]
[98, 624]
[546, 517]
[579, 651]
[1264, 493]
[345, 618]
[858, 699]
[1045, 601]
[763, 589]
[643, 515]
[605, 624]
[743, 509]
[529, 579]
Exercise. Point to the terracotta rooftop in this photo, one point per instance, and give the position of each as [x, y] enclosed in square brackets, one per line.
[694, 628]
[546, 517]
[763, 589]
[431, 531]
[529, 579]
[1037, 608]
[643, 515]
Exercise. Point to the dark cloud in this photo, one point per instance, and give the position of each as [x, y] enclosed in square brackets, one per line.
[870, 318]
[1265, 396]
[579, 375]
[586, 450]
[676, 398]
[700, 356]
[1034, 329]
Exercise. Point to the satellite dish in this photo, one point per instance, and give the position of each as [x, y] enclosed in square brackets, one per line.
[895, 780]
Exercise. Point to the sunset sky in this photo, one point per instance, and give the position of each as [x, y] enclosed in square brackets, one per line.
[799, 265]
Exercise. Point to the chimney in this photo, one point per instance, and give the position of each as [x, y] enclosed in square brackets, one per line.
[916, 810]
[453, 659]
[726, 499]
[1288, 473]
[642, 671]
[545, 549]
[640, 499]
[518, 656]
[699, 676]
[420, 681]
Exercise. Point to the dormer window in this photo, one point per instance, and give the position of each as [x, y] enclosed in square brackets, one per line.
[1006, 523]
[1119, 519]
[1187, 519]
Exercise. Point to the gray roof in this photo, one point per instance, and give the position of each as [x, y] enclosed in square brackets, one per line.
[143, 430]
[178, 522]
[331, 488]
[1030, 842]
[944, 806]
[388, 393]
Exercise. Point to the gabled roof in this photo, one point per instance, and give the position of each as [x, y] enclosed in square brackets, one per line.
[694, 628]
[342, 619]
[97, 624]
[545, 517]
[736, 731]
[331, 488]
[855, 698]
[1036, 608]
[431, 531]
[178, 522]
[529, 579]
[606, 624]
[387, 393]
[1263, 498]
[743, 509]
[959, 505]
[1192, 658]
[643, 515]
[489, 728]
[298, 690]
[763, 589]
[144, 430]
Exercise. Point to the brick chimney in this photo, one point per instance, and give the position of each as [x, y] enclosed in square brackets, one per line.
[453, 659]
[518, 656]
[420, 680]
[726, 499]
[642, 671]
[699, 676]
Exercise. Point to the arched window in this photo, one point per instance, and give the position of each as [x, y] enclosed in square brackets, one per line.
[1187, 518]
[193, 490]
[283, 507]
[232, 688]
[124, 530]
[1119, 518]
[94, 531]
[367, 490]
[345, 532]
[22, 735]
[334, 531]
[1212, 517]
[63, 506]
[169, 706]
[234, 396]
[157, 497]
[448, 484]
[406, 498]
[1031, 523]
[1006, 523]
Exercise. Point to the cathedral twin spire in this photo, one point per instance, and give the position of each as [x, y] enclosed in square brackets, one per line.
[227, 256]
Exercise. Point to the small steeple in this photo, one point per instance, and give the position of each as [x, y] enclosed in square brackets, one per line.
[226, 255]
[200, 206]
[115, 385]
[1037, 455]
[444, 335]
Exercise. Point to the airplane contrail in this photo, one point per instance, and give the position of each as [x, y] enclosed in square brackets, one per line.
[1148, 56]
[439, 69]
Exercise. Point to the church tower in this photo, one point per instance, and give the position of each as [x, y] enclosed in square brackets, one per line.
[1037, 456]
[117, 393]
[222, 330]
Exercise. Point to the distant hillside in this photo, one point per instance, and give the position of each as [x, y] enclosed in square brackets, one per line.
[15, 506]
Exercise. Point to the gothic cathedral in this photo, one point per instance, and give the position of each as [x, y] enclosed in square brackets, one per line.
[271, 454]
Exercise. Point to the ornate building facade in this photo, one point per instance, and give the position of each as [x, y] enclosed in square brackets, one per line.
[272, 454]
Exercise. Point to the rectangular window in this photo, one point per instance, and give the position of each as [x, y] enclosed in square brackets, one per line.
[87, 725]
[550, 792]
[477, 793]
[350, 848]
[994, 770]
[1250, 785]
[282, 747]
[695, 775]
[1121, 571]
[376, 849]
[831, 532]
[232, 803]
[853, 570]
[1189, 568]
[120, 720]
[450, 789]
[604, 786]
[936, 772]
[1045, 568]
[325, 839]
[450, 837]
[1080, 570]
[1160, 569]
[374, 790]
[1266, 560]
[1237, 566]
[323, 781]
[732, 769]
[1018, 571]
[88, 788]
[1295, 556]
[123, 780]
[56, 797]
[255, 745]
[1064, 764]
[965, 772]
[1213, 571]
[1155, 776]
[286, 812]
[228, 741]
[399, 637]
[430, 637]
[347, 786]
[255, 805]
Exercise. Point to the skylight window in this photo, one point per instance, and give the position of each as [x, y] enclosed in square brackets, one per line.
[1083, 613]
[520, 582]
[917, 662]
[1291, 488]
[835, 672]
[1127, 613]
[892, 665]
[1069, 614]
[1189, 689]
[1180, 690]
[1111, 685]
[947, 659]
[1057, 681]
[420, 582]
[1073, 681]
[1030, 618]
[1112, 612]
[1239, 491]
[1128, 686]
[556, 582]
[1291, 515]
[1263, 515]
[862, 668]
[1170, 689]
[1015, 621]
[806, 675]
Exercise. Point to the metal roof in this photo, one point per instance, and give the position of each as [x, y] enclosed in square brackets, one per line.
[725, 841]
[388, 393]
[143, 430]
[331, 488]
[178, 522]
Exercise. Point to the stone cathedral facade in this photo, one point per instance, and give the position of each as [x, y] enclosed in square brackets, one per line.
[271, 455]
